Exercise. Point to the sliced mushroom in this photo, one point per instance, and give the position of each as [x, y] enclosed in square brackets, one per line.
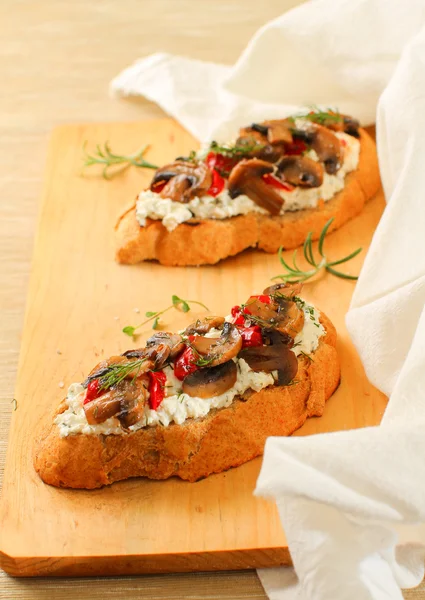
[102, 408]
[214, 381]
[263, 151]
[246, 178]
[343, 123]
[277, 357]
[279, 131]
[273, 131]
[203, 326]
[133, 401]
[285, 289]
[126, 401]
[281, 313]
[272, 336]
[326, 145]
[328, 148]
[216, 351]
[290, 317]
[183, 180]
[173, 340]
[301, 171]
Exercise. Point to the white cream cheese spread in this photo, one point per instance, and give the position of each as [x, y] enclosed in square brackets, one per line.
[177, 406]
[151, 205]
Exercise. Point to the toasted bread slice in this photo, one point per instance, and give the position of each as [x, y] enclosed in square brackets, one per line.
[225, 438]
[212, 240]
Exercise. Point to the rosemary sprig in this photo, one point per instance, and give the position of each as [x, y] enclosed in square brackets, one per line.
[104, 156]
[176, 302]
[236, 149]
[294, 274]
[116, 373]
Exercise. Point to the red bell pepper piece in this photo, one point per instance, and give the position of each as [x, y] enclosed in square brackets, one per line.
[92, 391]
[296, 147]
[262, 298]
[251, 336]
[158, 187]
[218, 161]
[237, 315]
[217, 185]
[185, 364]
[276, 183]
[157, 381]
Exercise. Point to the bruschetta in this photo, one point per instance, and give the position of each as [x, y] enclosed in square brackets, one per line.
[278, 181]
[197, 402]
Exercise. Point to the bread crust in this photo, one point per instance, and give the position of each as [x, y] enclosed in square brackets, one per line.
[212, 240]
[225, 438]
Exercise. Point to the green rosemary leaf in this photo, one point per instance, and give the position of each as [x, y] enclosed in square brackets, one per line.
[345, 259]
[150, 314]
[341, 275]
[323, 235]
[294, 274]
[155, 323]
[104, 156]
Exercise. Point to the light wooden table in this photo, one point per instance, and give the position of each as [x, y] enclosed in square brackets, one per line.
[56, 59]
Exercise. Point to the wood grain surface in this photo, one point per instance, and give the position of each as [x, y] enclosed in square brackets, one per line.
[56, 59]
[78, 301]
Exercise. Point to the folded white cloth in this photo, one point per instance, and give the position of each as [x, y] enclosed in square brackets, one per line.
[353, 502]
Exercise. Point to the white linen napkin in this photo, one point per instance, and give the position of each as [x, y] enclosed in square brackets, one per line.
[353, 502]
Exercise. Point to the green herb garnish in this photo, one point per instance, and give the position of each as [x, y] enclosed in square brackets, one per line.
[116, 373]
[236, 149]
[104, 156]
[321, 117]
[176, 302]
[295, 275]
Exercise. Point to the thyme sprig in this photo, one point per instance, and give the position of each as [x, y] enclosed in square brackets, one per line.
[116, 373]
[201, 361]
[295, 275]
[104, 156]
[176, 302]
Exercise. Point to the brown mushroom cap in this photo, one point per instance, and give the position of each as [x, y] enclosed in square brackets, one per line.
[277, 357]
[185, 179]
[246, 178]
[326, 145]
[279, 131]
[286, 289]
[281, 313]
[126, 401]
[301, 171]
[173, 340]
[272, 131]
[340, 122]
[202, 326]
[215, 351]
[214, 381]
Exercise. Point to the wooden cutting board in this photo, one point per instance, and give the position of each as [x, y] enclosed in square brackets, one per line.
[79, 299]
